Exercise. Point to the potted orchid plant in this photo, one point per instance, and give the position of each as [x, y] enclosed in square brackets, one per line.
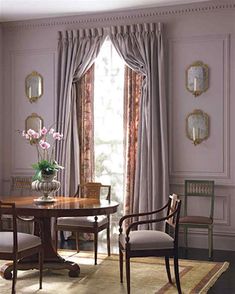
[44, 141]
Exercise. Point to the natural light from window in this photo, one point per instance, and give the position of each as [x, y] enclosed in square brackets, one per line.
[108, 119]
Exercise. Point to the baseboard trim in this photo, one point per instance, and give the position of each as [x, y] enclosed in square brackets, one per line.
[221, 240]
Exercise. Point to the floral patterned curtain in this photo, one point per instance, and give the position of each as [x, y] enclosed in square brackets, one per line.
[86, 125]
[132, 93]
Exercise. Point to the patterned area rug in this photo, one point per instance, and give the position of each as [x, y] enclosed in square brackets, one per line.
[148, 276]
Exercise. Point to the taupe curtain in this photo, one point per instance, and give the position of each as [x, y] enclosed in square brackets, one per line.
[77, 50]
[141, 46]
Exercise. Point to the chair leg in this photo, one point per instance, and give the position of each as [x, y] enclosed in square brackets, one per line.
[177, 277]
[168, 269]
[41, 257]
[210, 242]
[56, 240]
[95, 246]
[185, 237]
[77, 241]
[13, 291]
[121, 265]
[128, 278]
[62, 238]
[108, 240]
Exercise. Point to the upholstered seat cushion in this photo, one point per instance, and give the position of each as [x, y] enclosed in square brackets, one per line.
[148, 240]
[84, 221]
[25, 241]
[195, 220]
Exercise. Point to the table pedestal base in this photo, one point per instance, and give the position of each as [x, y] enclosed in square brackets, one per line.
[52, 260]
[74, 269]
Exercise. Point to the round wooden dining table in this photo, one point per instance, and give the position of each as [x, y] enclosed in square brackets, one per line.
[44, 213]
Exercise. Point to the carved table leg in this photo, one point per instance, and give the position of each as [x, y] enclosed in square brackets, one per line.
[6, 271]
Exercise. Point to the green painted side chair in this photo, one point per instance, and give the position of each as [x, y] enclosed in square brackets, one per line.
[198, 188]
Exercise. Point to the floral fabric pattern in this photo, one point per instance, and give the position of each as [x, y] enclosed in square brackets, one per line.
[132, 94]
[86, 125]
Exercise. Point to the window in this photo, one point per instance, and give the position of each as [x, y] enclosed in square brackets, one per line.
[108, 120]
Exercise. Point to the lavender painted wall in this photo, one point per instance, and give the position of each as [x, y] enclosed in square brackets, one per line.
[1, 111]
[194, 32]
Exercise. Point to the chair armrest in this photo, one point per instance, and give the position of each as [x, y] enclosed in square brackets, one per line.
[33, 220]
[141, 214]
[157, 220]
[25, 219]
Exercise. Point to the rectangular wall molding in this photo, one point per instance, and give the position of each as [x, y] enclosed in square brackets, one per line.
[23, 62]
[180, 169]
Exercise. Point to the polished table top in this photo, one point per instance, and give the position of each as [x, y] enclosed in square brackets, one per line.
[63, 206]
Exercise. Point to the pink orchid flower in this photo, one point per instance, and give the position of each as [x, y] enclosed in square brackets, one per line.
[45, 140]
[57, 136]
[35, 135]
[30, 132]
[43, 131]
[44, 145]
[51, 131]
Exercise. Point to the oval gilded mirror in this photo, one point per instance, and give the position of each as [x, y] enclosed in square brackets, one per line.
[197, 78]
[197, 126]
[34, 86]
[34, 122]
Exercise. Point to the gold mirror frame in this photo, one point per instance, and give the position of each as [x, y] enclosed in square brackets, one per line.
[197, 126]
[197, 78]
[34, 86]
[34, 122]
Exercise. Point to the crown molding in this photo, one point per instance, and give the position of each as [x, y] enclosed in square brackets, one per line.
[120, 16]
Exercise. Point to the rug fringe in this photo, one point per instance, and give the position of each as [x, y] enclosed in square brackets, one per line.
[213, 279]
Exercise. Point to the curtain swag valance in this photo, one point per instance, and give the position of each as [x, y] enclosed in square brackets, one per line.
[101, 32]
[136, 28]
[81, 33]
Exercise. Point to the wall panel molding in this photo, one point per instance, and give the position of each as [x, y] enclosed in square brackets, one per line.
[221, 240]
[222, 207]
[17, 93]
[222, 217]
[224, 42]
[125, 15]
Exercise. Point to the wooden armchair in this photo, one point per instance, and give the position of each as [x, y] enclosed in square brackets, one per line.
[87, 224]
[198, 188]
[21, 185]
[143, 243]
[15, 246]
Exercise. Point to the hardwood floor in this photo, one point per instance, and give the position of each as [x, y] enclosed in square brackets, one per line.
[224, 285]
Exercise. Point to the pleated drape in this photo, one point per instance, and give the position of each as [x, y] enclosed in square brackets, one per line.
[141, 47]
[77, 50]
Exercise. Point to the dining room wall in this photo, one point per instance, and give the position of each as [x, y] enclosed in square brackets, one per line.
[1, 110]
[193, 32]
[209, 39]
